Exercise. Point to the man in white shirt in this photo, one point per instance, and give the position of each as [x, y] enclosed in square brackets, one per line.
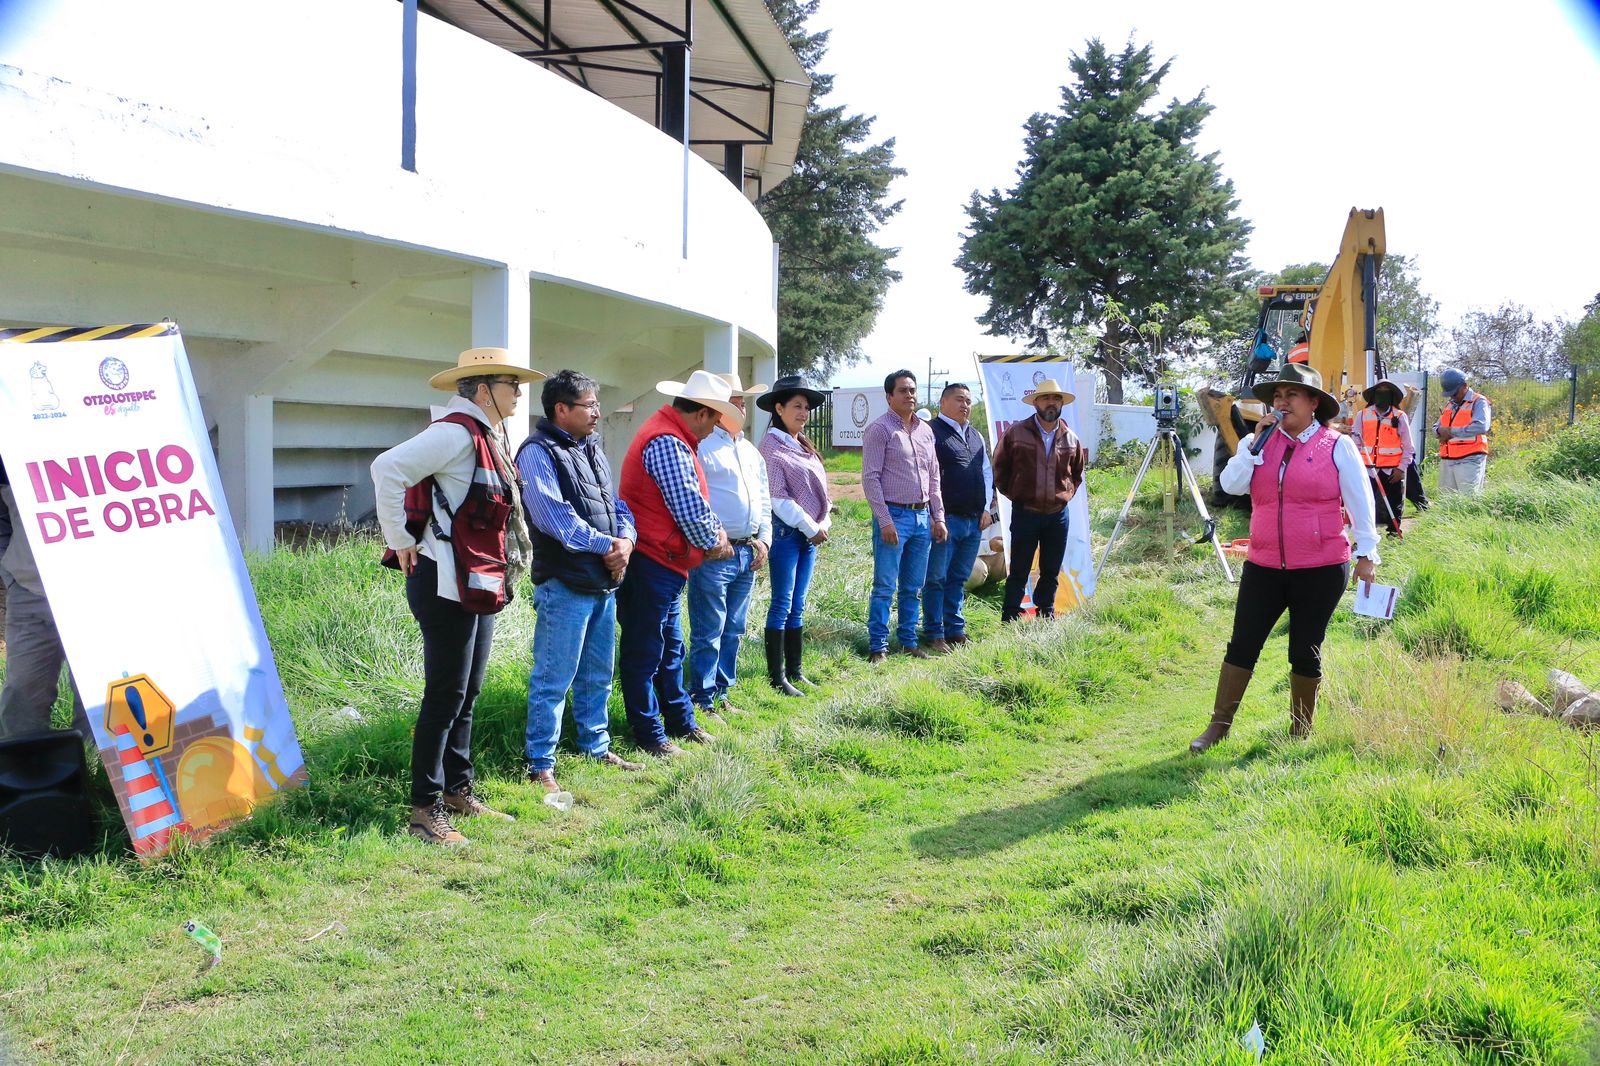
[719, 589]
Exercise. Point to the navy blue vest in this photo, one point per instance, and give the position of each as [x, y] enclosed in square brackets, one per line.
[585, 480]
[960, 469]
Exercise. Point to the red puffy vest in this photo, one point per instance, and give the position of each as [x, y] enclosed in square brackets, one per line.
[659, 535]
[477, 536]
[1299, 523]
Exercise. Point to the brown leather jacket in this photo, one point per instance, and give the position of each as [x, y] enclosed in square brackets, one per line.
[1027, 477]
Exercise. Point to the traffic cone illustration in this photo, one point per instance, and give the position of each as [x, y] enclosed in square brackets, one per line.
[154, 815]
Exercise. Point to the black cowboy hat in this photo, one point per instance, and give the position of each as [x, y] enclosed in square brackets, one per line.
[785, 388]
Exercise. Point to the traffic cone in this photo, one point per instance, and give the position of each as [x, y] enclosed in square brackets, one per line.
[154, 814]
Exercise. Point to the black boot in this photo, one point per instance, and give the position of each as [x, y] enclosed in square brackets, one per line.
[794, 642]
[775, 664]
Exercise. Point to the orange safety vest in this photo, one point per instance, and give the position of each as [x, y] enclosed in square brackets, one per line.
[1459, 416]
[1300, 353]
[1381, 445]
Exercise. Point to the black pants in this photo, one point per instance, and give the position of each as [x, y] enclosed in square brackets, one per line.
[1414, 491]
[1395, 493]
[455, 651]
[1309, 595]
[1030, 532]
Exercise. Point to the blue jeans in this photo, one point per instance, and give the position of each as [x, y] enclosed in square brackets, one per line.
[574, 638]
[902, 566]
[651, 659]
[719, 601]
[949, 567]
[1046, 534]
[789, 565]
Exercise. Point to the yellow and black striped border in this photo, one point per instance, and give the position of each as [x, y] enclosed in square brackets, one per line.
[1025, 358]
[35, 335]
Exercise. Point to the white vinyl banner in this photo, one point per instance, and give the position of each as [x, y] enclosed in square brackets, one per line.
[853, 411]
[1008, 382]
[117, 492]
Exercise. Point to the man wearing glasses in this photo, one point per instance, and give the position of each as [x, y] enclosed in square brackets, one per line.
[583, 537]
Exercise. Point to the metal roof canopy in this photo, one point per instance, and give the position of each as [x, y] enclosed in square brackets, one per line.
[746, 92]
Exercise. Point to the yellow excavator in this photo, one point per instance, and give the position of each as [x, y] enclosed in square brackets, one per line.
[1333, 327]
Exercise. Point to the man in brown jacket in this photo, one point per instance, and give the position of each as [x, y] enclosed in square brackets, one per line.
[1038, 465]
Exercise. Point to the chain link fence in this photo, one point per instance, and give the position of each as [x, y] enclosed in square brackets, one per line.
[1524, 409]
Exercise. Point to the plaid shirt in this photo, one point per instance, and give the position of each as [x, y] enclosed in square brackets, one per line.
[670, 463]
[900, 466]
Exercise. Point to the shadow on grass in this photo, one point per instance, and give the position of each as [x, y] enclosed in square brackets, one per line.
[1150, 785]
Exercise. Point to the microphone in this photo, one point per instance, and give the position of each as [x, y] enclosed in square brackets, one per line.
[1262, 435]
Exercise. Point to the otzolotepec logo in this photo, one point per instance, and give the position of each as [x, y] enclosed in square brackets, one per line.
[114, 373]
[859, 409]
[1038, 376]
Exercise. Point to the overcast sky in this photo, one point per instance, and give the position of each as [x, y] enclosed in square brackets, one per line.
[1472, 126]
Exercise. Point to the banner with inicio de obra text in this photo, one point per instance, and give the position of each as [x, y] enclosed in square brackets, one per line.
[1008, 383]
[117, 491]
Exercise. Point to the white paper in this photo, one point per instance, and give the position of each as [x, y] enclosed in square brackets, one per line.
[1376, 601]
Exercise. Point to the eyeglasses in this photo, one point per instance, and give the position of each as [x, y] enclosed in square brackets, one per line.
[593, 405]
[515, 383]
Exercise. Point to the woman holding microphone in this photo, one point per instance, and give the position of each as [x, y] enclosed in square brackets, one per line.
[1302, 478]
[801, 519]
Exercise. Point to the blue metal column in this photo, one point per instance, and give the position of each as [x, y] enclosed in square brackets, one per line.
[408, 87]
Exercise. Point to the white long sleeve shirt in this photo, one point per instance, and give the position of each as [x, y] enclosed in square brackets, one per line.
[1355, 487]
[736, 477]
[445, 452]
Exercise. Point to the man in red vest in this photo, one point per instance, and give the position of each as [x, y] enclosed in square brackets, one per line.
[664, 486]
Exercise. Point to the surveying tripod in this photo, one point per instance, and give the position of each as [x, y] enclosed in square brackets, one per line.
[1166, 444]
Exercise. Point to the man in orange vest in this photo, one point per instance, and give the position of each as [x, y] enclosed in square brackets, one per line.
[1463, 432]
[1383, 434]
[1301, 352]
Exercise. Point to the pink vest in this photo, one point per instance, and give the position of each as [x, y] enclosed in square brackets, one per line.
[1304, 526]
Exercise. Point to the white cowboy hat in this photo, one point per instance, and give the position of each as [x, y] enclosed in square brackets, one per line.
[738, 386]
[708, 390]
[1048, 387]
[482, 362]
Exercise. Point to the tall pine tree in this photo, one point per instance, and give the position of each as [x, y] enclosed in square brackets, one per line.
[1112, 204]
[831, 276]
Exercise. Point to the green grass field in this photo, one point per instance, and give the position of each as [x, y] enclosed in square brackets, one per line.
[1003, 856]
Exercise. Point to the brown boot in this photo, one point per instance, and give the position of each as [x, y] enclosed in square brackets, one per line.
[1231, 684]
[1302, 704]
[467, 804]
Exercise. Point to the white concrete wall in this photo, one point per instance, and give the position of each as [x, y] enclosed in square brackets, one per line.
[237, 169]
[1123, 422]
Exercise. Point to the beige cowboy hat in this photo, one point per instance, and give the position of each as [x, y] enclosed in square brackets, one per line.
[738, 386]
[1370, 394]
[1303, 376]
[709, 390]
[1048, 387]
[482, 362]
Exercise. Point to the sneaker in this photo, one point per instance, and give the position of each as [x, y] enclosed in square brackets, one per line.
[430, 825]
[699, 736]
[616, 762]
[667, 750]
[468, 805]
[546, 778]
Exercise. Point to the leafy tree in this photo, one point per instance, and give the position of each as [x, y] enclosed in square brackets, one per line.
[1581, 345]
[1508, 343]
[831, 276]
[1112, 206]
[1408, 318]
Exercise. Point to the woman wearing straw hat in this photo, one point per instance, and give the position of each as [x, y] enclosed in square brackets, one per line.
[664, 485]
[801, 518]
[458, 464]
[1302, 479]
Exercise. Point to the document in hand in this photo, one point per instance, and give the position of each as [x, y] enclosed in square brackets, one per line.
[1374, 600]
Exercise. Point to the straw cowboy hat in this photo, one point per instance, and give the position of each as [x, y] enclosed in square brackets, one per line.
[708, 390]
[1370, 394]
[482, 362]
[787, 388]
[738, 386]
[1303, 376]
[1048, 387]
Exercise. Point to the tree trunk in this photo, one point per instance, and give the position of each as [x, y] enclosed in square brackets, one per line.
[1111, 362]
